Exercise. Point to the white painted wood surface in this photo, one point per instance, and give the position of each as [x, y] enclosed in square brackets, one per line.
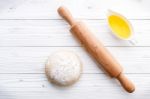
[30, 30]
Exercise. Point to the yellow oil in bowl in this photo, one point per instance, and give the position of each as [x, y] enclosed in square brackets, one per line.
[119, 25]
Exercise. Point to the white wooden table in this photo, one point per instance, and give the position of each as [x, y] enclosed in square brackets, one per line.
[30, 30]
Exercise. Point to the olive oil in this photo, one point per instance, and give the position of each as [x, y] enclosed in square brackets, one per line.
[119, 25]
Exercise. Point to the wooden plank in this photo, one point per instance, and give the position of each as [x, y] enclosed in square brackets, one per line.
[30, 30]
[87, 9]
[56, 33]
[23, 86]
[32, 59]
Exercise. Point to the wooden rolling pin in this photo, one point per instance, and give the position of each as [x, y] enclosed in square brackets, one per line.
[96, 49]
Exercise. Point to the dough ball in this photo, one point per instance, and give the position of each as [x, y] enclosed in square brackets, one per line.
[63, 68]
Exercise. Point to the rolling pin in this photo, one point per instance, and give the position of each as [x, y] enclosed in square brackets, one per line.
[96, 49]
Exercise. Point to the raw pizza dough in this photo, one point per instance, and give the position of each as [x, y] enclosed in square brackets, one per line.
[63, 68]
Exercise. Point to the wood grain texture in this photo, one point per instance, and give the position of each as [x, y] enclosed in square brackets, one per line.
[85, 9]
[35, 86]
[30, 30]
[56, 33]
[32, 59]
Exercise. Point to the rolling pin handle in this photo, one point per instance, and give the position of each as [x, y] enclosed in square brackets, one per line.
[126, 83]
[65, 14]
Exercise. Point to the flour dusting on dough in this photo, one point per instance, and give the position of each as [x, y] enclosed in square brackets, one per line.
[64, 67]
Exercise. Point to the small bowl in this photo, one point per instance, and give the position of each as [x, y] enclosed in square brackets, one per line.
[125, 22]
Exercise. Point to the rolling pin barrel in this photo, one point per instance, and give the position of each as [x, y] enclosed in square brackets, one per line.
[96, 49]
